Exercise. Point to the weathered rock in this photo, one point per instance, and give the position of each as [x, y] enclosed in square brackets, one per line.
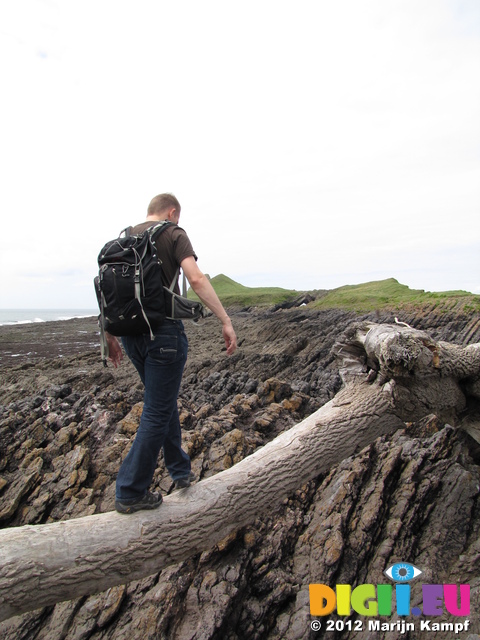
[66, 424]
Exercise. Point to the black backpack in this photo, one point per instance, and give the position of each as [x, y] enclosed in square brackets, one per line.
[129, 285]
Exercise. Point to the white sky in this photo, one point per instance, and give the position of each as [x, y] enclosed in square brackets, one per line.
[311, 143]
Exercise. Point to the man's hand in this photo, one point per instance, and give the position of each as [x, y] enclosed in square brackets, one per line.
[229, 337]
[115, 353]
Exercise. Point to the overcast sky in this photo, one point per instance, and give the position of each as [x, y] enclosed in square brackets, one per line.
[311, 143]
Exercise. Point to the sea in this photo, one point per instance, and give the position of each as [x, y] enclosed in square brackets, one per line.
[28, 316]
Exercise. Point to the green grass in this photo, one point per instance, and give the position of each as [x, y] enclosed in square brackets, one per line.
[369, 296]
[233, 293]
[389, 294]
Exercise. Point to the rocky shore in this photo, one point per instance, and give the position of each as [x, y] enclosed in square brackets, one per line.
[66, 422]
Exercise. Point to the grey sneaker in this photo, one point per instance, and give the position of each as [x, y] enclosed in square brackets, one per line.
[183, 483]
[149, 501]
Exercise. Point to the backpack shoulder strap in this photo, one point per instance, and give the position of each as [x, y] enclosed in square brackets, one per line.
[172, 284]
[156, 230]
[126, 233]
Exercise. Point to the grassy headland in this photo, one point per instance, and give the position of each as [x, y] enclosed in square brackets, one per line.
[389, 294]
[369, 296]
[233, 293]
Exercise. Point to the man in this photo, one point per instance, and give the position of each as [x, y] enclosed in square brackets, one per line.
[160, 363]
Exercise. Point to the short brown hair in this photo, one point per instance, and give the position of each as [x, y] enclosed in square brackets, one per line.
[159, 203]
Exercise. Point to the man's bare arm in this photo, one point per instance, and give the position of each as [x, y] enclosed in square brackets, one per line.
[204, 290]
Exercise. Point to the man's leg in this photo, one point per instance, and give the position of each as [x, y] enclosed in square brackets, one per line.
[163, 368]
[177, 461]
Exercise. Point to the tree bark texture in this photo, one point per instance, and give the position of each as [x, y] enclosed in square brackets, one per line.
[392, 374]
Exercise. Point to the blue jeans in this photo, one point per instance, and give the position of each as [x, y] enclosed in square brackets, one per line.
[160, 363]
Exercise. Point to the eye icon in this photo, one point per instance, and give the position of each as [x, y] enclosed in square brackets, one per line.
[402, 572]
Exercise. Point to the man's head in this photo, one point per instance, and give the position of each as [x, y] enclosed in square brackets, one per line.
[164, 207]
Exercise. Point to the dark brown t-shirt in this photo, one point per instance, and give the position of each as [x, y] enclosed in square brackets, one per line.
[173, 246]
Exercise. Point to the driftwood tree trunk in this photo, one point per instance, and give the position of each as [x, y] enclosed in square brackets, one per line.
[392, 374]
